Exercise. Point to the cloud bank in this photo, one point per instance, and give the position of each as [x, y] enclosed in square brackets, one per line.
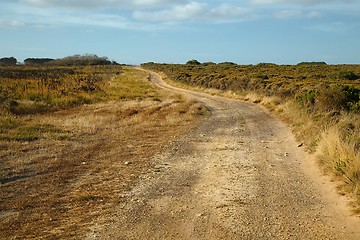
[136, 14]
[102, 3]
[299, 2]
[287, 14]
[195, 11]
[155, 14]
[11, 24]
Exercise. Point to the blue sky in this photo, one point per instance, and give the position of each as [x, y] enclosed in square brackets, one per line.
[175, 31]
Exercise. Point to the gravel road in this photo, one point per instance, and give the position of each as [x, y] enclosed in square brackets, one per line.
[239, 175]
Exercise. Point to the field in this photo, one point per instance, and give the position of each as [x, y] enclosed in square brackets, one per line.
[321, 102]
[73, 139]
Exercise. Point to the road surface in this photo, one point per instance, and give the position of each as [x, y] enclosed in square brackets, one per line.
[239, 175]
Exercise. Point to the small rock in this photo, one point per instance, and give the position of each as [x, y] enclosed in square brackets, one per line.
[300, 145]
[127, 163]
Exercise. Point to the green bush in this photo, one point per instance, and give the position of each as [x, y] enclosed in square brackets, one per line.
[348, 75]
[311, 63]
[330, 98]
[193, 62]
[81, 60]
[338, 97]
[356, 107]
[306, 99]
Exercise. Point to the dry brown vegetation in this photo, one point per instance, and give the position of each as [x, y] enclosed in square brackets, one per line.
[67, 166]
[320, 101]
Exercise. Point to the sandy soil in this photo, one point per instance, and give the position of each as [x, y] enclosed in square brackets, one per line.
[239, 175]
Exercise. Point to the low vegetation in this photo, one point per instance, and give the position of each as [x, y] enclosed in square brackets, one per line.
[31, 90]
[321, 101]
[78, 60]
[8, 61]
[74, 139]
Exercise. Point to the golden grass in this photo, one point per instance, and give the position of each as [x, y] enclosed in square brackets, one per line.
[130, 85]
[72, 174]
[253, 97]
[342, 158]
[32, 90]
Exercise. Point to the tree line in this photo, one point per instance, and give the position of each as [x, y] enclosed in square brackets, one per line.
[75, 60]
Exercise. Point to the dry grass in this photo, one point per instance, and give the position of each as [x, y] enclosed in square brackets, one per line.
[40, 89]
[253, 97]
[342, 158]
[303, 125]
[85, 158]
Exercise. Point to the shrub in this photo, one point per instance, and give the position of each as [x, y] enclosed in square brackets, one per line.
[264, 64]
[348, 75]
[356, 107]
[8, 61]
[81, 60]
[306, 99]
[208, 63]
[228, 63]
[37, 61]
[312, 63]
[193, 62]
[338, 97]
[330, 99]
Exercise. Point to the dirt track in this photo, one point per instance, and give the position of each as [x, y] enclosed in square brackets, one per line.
[238, 175]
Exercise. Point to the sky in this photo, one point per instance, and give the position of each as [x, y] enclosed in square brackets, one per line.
[175, 31]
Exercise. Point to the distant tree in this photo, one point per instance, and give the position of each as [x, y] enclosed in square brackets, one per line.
[9, 61]
[227, 63]
[312, 63]
[193, 62]
[37, 61]
[208, 63]
[81, 60]
[264, 64]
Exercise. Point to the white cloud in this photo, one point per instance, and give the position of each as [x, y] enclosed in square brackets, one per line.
[196, 11]
[32, 15]
[101, 4]
[11, 23]
[151, 14]
[182, 12]
[314, 14]
[287, 14]
[226, 11]
[303, 2]
[333, 27]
